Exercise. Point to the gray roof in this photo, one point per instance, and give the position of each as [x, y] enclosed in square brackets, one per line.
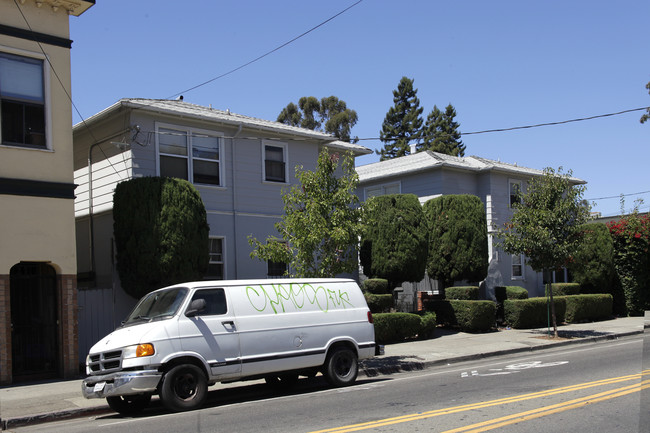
[199, 112]
[428, 160]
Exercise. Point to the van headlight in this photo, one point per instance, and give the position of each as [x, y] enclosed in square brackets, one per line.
[139, 351]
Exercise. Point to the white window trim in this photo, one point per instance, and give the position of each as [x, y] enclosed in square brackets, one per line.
[383, 187]
[189, 157]
[521, 189]
[46, 93]
[523, 268]
[223, 255]
[285, 155]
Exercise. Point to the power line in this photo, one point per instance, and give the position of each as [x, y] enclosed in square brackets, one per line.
[618, 196]
[265, 54]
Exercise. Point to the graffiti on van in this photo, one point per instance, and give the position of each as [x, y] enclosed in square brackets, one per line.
[279, 298]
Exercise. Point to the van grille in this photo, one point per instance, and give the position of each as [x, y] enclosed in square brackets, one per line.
[105, 362]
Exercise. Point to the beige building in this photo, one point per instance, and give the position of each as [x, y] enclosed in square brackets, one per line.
[38, 267]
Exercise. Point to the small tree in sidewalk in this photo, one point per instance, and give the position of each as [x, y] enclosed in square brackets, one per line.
[546, 225]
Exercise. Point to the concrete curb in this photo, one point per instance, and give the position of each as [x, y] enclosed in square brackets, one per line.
[54, 416]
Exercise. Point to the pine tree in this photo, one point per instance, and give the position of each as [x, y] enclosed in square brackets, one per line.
[440, 133]
[403, 122]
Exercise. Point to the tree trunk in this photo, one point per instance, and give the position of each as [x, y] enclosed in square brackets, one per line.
[550, 293]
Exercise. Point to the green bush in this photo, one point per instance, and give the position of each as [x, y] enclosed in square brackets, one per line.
[516, 292]
[379, 303]
[378, 286]
[532, 313]
[580, 308]
[396, 327]
[462, 293]
[565, 289]
[428, 324]
[469, 316]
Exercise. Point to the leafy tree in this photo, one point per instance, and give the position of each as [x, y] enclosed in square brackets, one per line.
[546, 225]
[330, 115]
[161, 233]
[458, 248]
[646, 117]
[320, 230]
[394, 241]
[440, 133]
[403, 122]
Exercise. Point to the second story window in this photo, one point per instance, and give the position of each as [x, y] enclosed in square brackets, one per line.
[22, 101]
[175, 146]
[391, 188]
[515, 192]
[275, 162]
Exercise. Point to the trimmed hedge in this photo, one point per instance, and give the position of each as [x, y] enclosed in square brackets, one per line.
[516, 292]
[532, 313]
[377, 286]
[580, 308]
[396, 327]
[469, 316]
[462, 293]
[379, 303]
[565, 289]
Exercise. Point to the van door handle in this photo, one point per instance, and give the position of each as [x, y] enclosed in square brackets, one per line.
[228, 323]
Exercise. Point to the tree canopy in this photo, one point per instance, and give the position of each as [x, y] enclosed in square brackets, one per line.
[394, 242]
[329, 114]
[546, 225]
[161, 233]
[646, 116]
[319, 232]
[441, 134]
[403, 122]
[458, 247]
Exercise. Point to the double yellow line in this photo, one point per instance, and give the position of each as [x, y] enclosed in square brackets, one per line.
[513, 419]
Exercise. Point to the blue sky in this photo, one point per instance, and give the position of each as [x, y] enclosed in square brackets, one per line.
[501, 64]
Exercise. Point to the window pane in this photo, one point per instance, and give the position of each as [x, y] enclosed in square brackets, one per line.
[215, 301]
[215, 266]
[173, 167]
[206, 172]
[276, 269]
[172, 142]
[274, 171]
[391, 189]
[205, 147]
[21, 78]
[274, 153]
[35, 125]
[515, 191]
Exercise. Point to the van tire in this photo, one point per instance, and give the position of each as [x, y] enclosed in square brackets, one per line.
[184, 387]
[129, 404]
[341, 367]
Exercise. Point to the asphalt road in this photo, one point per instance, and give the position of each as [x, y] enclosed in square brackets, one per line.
[594, 387]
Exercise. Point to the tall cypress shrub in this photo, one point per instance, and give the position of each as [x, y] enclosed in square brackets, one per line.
[161, 233]
[458, 248]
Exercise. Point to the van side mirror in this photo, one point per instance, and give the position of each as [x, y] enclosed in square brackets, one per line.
[196, 306]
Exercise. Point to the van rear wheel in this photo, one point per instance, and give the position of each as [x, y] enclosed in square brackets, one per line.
[341, 367]
[129, 404]
[184, 387]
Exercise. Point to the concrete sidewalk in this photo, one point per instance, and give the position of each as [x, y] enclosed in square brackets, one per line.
[30, 404]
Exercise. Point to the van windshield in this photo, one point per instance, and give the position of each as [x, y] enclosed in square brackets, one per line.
[157, 305]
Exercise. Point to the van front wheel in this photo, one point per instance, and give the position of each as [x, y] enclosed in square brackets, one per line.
[184, 387]
[341, 367]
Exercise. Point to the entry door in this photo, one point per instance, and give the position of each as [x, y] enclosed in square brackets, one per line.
[213, 334]
[34, 327]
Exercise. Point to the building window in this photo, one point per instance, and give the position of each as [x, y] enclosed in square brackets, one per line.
[391, 188]
[276, 269]
[215, 265]
[515, 192]
[517, 267]
[175, 147]
[22, 101]
[275, 162]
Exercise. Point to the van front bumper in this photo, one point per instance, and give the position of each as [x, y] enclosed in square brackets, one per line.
[121, 383]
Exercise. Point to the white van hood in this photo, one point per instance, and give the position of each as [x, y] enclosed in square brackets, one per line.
[127, 336]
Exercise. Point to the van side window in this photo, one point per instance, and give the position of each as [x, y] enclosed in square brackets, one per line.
[215, 299]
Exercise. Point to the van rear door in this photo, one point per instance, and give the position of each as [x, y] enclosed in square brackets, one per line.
[212, 333]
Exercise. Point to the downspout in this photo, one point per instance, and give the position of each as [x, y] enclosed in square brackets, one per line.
[234, 199]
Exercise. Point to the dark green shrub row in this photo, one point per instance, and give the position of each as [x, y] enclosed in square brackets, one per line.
[379, 303]
[378, 286]
[565, 289]
[516, 292]
[469, 316]
[462, 293]
[581, 308]
[532, 313]
[396, 327]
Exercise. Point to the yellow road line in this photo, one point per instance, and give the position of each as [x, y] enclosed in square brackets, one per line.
[463, 408]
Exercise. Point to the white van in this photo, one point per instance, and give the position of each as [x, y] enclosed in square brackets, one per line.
[179, 340]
